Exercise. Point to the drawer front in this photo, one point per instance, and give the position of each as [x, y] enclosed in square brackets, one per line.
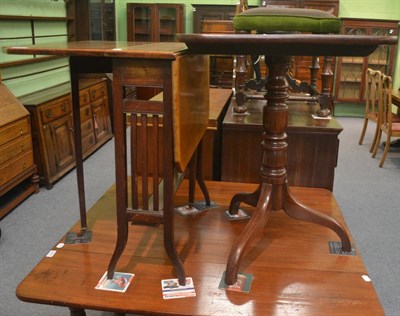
[87, 127]
[98, 91]
[55, 110]
[16, 166]
[14, 130]
[84, 97]
[86, 113]
[15, 148]
[88, 142]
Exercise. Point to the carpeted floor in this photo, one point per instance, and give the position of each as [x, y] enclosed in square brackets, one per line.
[368, 195]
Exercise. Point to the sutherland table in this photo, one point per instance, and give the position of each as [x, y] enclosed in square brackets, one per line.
[294, 272]
[184, 80]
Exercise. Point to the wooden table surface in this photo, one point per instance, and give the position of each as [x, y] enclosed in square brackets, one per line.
[294, 272]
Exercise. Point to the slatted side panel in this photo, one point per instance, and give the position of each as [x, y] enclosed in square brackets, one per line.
[146, 152]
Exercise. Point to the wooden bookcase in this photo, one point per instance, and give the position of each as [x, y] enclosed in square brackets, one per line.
[350, 75]
[95, 20]
[155, 22]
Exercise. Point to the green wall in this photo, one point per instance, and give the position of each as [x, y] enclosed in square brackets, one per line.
[24, 79]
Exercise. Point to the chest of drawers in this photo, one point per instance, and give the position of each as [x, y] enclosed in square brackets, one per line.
[18, 177]
[52, 125]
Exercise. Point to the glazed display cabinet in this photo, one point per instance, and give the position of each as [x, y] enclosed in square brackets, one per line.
[350, 75]
[154, 22]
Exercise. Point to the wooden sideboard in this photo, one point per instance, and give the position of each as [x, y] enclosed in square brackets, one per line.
[18, 177]
[51, 114]
[313, 146]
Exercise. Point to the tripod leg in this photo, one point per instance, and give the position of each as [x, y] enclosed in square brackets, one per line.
[258, 221]
[295, 209]
[248, 198]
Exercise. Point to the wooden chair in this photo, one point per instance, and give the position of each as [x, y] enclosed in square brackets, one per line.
[388, 124]
[373, 100]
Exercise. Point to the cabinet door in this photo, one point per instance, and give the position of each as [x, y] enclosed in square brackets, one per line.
[351, 70]
[61, 133]
[169, 22]
[101, 118]
[140, 22]
[102, 25]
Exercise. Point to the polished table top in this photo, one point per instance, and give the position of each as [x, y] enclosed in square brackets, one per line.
[285, 44]
[288, 44]
[294, 272]
[161, 50]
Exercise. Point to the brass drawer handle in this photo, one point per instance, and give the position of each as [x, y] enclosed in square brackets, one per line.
[21, 131]
[49, 113]
[22, 147]
[93, 94]
[64, 108]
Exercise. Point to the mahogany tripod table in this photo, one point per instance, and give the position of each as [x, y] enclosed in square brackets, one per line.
[273, 193]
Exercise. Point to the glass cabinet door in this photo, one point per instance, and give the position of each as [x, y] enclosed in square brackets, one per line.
[167, 24]
[351, 72]
[142, 23]
[379, 59]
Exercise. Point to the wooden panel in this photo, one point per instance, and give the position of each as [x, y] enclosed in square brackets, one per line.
[9, 112]
[16, 147]
[190, 105]
[312, 146]
[16, 166]
[14, 130]
[56, 109]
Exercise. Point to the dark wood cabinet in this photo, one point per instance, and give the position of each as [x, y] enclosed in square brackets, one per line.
[154, 22]
[313, 146]
[53, 132]
[18, 174]
[90, 20]
[350, 76]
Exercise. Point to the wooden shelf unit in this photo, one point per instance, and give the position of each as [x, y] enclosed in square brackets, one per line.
[33, 27]
[95, 20]
[155, 22]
